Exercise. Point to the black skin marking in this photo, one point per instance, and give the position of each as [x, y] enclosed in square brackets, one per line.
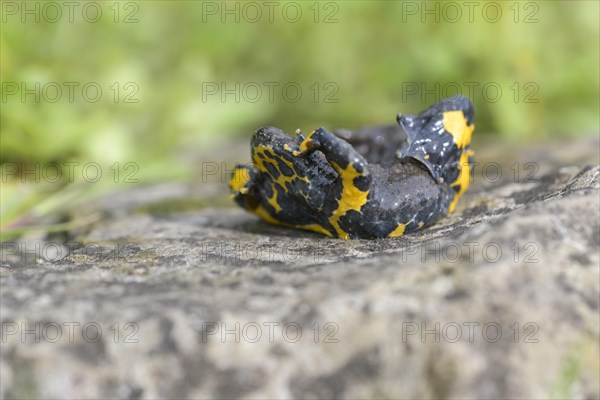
[374, 183]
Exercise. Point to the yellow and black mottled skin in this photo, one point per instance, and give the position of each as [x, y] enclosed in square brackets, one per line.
[376, 183]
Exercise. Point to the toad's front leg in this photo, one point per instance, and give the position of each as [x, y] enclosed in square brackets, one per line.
[351, 190]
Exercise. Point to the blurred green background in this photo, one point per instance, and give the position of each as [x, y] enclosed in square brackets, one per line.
[180, 77]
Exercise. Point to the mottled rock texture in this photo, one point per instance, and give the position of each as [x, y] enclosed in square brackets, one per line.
[177, 293]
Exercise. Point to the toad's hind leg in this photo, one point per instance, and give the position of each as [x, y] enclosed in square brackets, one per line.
[351, 190]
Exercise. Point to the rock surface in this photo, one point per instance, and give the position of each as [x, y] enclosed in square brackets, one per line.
[177, 293]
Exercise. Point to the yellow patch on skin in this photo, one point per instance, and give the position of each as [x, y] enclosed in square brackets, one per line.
[463, 180]
[315, 228]
[399, 231]
[264, 214]
[352, 197]
[240, 177]
[305, 145]
[455, 123]
[273, 201]
[258, 161]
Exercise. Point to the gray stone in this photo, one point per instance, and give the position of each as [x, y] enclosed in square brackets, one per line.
[177, 293]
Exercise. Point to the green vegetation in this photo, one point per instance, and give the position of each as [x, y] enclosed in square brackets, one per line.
[162, 66]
